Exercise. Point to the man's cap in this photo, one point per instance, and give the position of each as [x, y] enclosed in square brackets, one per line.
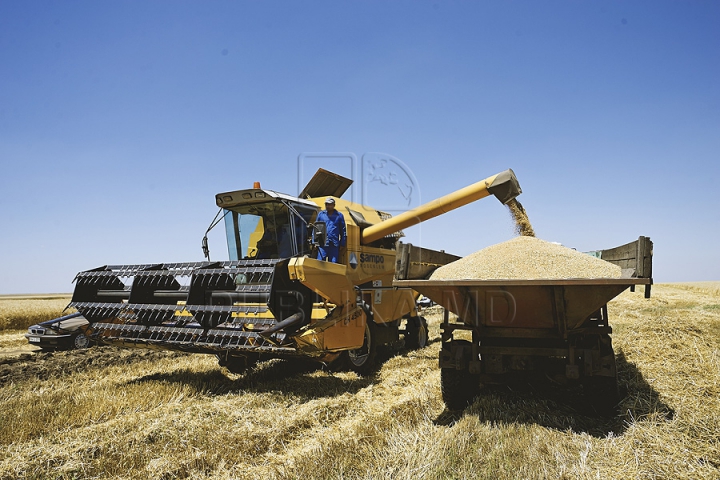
[330, 200]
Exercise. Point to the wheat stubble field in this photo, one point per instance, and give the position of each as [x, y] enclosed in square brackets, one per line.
[112, 413]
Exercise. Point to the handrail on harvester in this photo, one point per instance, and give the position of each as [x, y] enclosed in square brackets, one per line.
[503, 185]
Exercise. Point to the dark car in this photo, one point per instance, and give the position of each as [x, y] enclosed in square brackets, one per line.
[59, 333]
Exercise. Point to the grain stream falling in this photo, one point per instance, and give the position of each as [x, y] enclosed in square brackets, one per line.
[522, 222]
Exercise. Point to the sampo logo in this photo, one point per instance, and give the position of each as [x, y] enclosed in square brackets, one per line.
[369, 258]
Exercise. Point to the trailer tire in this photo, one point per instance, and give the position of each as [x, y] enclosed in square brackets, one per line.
[459, 388]
[602, 391]
[362, 360]
[603, 394]
[416, 333]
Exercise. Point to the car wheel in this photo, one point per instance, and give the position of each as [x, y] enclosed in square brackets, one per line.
[81, 341]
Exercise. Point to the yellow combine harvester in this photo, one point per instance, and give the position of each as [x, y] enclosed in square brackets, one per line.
[273, 298]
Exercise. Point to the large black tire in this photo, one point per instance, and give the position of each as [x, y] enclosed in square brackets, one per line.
[362, 360]
[238, 363]
[416, 333]
[459, 388]
[602, 392]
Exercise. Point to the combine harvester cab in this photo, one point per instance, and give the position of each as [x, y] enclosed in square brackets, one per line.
[559, 327]
[273, 298]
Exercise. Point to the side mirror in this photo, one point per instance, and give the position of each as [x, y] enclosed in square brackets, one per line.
[318, 233]
[205, 247]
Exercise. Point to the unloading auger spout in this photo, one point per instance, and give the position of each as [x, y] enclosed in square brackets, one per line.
[504, 186]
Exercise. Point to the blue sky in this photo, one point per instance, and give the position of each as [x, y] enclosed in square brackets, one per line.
[119, 121]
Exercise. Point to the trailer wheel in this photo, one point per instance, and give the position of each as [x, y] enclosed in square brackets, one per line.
[416, 333]
[362, 360]
[459, 388]
[238, 363]
[602, 393]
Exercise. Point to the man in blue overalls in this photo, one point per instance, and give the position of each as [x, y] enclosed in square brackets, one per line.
[336, 236]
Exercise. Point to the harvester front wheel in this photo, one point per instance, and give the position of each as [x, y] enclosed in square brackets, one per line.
[416, 333]
[362, 360]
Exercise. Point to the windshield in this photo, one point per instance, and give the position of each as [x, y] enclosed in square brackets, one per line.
[267, 230]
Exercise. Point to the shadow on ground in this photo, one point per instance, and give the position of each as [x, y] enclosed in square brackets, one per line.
[538, 400]
[303, 379]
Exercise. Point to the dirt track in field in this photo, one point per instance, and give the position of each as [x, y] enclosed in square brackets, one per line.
[31, 365]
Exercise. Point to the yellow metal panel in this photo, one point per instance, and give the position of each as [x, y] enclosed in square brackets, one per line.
[341, 331]
[371, 215]
[325, 278]
[373, 263]
[344, 336]
[318, 313]
[253, 315]
[295, 269]
[254, 239]
[404, 302]
[353, 235]
[391, 304]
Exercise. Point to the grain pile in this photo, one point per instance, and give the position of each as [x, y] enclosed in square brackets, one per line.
[526, 258]
[522, 222]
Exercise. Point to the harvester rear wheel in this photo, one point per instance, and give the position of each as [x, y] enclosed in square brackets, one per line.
[416, 333]
[459, 388]
[362, 360]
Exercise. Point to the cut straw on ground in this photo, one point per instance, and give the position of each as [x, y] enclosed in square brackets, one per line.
[136, 414]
